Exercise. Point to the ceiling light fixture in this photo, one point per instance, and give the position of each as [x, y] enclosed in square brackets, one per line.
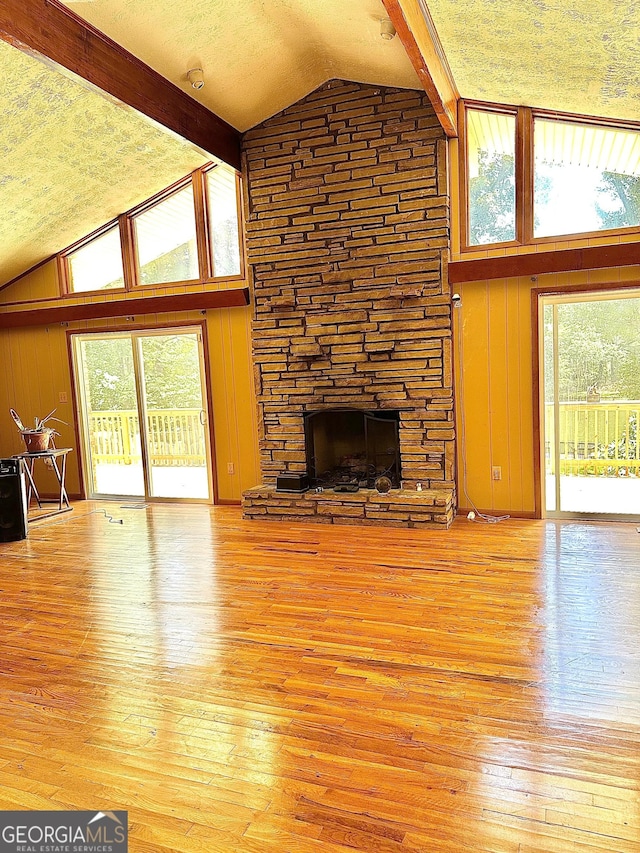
[195, 76]
[387, 30]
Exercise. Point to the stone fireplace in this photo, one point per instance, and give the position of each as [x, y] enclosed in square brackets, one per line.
[347, 241]
[350, 447]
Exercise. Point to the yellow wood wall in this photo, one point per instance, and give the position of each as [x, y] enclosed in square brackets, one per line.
[494, 396]
[36, 369]
[495, 363]
[42, 283]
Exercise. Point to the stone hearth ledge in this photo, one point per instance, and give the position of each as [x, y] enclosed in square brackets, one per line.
[432, 508]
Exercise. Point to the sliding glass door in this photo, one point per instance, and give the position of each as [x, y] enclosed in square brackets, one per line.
[590, 404]
[144, 414]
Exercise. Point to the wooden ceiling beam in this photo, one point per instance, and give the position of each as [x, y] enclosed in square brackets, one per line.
[49, 31]
[420, 39]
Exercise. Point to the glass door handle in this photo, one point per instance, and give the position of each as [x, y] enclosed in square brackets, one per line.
[203, 417]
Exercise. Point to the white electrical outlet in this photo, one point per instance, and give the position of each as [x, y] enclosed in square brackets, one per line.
[496, 472]
[231, 468]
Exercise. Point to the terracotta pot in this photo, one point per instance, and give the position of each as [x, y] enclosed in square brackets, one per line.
[37, 442]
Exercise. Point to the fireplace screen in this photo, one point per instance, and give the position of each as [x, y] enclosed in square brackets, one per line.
[345, 446]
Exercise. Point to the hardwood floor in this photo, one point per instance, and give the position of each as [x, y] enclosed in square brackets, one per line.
[260, 687]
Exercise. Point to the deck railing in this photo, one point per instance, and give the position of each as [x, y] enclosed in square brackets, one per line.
[595, 438]
[176, 437]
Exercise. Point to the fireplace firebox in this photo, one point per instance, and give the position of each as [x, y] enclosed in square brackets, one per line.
[350, 446]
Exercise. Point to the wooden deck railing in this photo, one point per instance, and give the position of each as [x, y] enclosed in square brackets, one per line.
[595, 438]
[176, 437]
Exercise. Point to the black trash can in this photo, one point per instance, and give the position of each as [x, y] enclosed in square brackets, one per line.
[13, 501]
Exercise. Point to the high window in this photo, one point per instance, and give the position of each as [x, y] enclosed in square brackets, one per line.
[531, 176]
[222, 206]
[166, 242]
[97, 265]
[189, 232]
[491, 143]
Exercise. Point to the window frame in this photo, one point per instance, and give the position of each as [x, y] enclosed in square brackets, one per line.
[128, 244]
[209, 247]
[64, 266]
[148, 205]
[524, 175]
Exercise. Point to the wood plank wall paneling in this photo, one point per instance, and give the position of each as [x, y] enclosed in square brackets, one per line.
[498, 364]
[40, 283]
[36, 369]
[498, 360]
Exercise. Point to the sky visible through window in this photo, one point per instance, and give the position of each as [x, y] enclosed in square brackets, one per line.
[586, 177]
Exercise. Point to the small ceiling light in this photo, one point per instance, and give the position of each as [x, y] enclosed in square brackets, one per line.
[196, 78]
[387, 30]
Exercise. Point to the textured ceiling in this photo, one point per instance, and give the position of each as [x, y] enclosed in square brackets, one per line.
[258, 56]
[70, 160]
[581, 57]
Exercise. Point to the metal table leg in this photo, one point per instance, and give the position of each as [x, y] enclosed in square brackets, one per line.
[64, 499]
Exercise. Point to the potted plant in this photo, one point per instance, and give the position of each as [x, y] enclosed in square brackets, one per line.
[38, 438]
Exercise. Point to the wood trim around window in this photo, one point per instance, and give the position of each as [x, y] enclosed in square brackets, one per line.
[525, 119]
[203, 238]
[463, 170]
[125, 222]
[62, 260]
[536, 293]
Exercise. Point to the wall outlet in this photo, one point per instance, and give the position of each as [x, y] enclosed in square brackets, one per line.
[62, 397]
[496, 472]
[231, 468]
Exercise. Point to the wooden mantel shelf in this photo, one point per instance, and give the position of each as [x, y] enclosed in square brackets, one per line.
[200, 301]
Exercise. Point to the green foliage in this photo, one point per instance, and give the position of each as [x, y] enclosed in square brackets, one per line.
[226, 249]
[599, 346]
[171, 372]
[492, 205]
[178, 264]
[627, 446]
[622, 196]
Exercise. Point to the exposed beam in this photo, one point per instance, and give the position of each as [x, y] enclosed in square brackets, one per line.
[48, 30]
[420, 39]
[538, 263]
[126, 308]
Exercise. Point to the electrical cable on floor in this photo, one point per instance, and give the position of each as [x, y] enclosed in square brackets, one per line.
[474, 514]
[109, 518]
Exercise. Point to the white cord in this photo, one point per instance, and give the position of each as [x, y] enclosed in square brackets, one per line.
[475, 514]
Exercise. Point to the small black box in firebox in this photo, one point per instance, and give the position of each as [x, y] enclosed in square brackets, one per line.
[292, 483]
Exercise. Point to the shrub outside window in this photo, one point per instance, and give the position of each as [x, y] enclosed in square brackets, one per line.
[97, 265]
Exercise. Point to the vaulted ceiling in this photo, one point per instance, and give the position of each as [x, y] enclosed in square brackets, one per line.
[71, 159]
[258, 56]
[578, 57]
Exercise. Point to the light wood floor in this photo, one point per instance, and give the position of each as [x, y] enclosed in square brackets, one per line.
[258, 687]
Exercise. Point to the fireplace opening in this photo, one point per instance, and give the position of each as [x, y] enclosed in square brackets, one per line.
[347, 446]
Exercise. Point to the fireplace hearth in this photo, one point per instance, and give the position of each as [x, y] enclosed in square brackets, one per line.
[352, 448]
